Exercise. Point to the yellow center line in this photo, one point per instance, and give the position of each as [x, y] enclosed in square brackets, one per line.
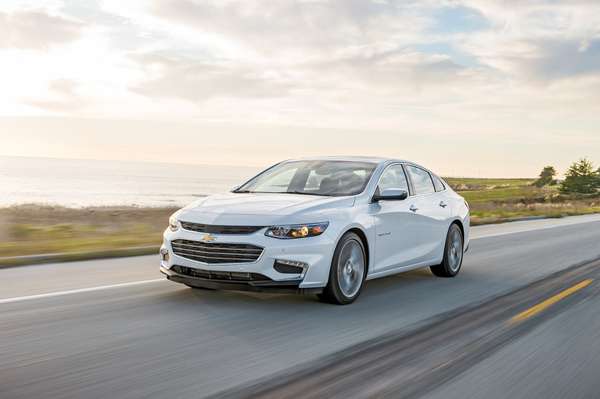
[549, 302]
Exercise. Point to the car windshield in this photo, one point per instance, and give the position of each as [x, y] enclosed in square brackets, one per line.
[329, 178]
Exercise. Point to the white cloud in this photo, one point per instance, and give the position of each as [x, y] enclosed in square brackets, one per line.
[306, 58]
[538, 40]
[63, 98]
[470, 68]
[198, 81]
[35, 29]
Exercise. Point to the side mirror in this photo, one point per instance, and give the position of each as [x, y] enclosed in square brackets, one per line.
[390, 194]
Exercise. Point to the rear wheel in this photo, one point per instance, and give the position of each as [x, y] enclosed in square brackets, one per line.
[453, 254]
[348, 271]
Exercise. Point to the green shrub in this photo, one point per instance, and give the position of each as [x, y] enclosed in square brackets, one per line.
[581, 178]
[547, 177]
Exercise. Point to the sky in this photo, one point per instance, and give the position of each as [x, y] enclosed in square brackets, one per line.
[466, 87]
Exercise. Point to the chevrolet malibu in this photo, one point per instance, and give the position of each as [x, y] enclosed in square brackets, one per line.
[322, 226]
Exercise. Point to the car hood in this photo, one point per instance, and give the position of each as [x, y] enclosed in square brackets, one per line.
[261, 209]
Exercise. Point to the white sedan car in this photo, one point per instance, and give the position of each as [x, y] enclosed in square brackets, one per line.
[319, 225]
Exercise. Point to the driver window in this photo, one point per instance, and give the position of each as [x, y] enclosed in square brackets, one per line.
[393, 177]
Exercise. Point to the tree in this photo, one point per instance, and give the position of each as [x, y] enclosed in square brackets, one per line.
[581, 178]
[546, 177]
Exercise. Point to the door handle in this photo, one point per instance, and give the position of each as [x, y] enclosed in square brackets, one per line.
[443, 204]
[413, 208]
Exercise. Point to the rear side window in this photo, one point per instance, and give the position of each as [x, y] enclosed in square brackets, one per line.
[421, 180]
[437, 183]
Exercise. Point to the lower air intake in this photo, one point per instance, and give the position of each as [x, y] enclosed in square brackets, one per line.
[218, 275]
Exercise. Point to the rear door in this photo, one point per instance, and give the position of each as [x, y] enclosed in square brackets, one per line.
[432, 214]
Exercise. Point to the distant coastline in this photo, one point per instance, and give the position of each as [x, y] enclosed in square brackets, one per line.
[76, 183]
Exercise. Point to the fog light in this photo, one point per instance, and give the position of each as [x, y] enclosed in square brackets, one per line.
[164, 254]
[290, 266]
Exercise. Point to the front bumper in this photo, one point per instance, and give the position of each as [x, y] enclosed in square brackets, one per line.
[315, 252]
[289, 286]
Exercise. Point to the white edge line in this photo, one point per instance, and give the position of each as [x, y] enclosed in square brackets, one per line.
[528, 230]
[77, 291]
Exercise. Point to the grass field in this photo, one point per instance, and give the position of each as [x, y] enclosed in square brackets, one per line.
[500, 200]
[35, 229]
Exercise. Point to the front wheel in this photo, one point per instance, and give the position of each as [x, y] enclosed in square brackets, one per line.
[453, 254]
[348, 271]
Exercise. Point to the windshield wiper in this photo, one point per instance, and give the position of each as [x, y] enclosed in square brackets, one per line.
[279, 192]
[304, 193]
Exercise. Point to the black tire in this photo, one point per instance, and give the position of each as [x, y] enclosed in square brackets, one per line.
[336, 291]
[453, 254]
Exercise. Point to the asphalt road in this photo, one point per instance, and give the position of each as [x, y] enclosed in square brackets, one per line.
[115, 328]
[559, 359]
[411, 364]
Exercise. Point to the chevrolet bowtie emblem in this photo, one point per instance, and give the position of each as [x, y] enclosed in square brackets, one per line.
[208, 238]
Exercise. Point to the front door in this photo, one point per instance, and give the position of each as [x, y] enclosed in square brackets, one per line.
[395, 224]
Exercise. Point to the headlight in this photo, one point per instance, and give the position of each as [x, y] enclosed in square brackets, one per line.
[173, 223]
[297, 230]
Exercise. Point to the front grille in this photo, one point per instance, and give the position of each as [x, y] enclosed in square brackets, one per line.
[214, 275]
[209, 252]
[215, 229]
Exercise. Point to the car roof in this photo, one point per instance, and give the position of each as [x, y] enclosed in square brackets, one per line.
[376, 160]
[351, 158]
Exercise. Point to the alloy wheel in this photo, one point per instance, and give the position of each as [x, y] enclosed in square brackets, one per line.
[351, 268]
[455, 250]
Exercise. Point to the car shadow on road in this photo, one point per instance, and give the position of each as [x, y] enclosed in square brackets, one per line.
[388, 304]
[375, 290]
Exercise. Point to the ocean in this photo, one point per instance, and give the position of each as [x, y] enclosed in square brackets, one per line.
[81, 183]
